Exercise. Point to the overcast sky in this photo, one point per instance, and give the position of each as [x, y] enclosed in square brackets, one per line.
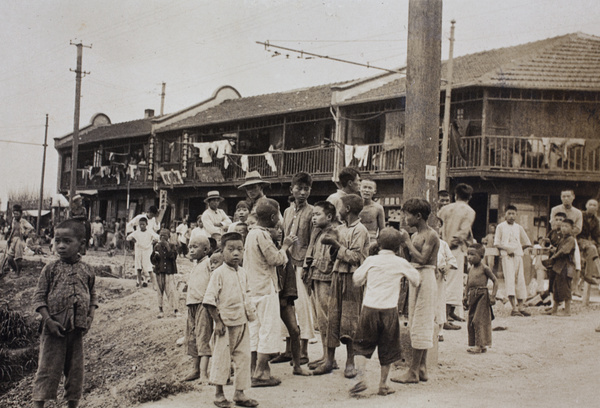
[196, 46]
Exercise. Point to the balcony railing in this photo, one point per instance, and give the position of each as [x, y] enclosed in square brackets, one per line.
[106, 176]
[522, 153]
[369, 159]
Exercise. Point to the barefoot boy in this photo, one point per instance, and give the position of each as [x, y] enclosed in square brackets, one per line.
[563, 268]
[143, 239]
[318, 267]
[164, 259]
[66, 299]
[378, 325]
[345, 298]
[478, 300]
[297, 223]
[372, 215]
[261, 257]
[199, 325]
[511, 240]
[226, 300]
[423, 248]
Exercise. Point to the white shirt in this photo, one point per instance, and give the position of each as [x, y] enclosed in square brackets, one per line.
[153, 225]
[445, 257]
[143, 239]
[181, 230]
[511, 236]
[198, 232]
[215, 222]
[382, 273]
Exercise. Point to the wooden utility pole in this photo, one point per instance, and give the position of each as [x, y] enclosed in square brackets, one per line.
[40, 206]
[447, 102]
[162, 99]
[75, 145]
[423, 76]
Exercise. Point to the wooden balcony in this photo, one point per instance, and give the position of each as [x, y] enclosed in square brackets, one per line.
[374, 160]
[89, 178]
[522, 157]
[377, 159]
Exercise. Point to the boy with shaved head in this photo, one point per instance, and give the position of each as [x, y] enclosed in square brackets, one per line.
[378, 325]
[199, 323]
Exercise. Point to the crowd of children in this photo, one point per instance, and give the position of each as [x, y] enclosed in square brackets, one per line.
[332, 268]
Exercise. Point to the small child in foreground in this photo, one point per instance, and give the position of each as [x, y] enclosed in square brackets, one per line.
[478, 300]
[66, 299]
[378, 324]
[226, 299]
[199, 327]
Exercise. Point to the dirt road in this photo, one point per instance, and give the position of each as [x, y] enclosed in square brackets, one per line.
[539, 361]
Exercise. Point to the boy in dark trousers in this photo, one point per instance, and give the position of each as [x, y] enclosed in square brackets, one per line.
[345, 298]
[563, 268]
[478, 300]
[66, 299]
[164, 259]
[318, 269]
[378, 325]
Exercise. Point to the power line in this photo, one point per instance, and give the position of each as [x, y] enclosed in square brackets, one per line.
[24, 143]
[302, 53]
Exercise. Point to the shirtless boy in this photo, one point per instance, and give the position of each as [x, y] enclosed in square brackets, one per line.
[423, 249]
[479, 301]
[372, 215]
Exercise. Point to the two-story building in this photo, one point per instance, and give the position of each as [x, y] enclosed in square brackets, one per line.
[525, 120]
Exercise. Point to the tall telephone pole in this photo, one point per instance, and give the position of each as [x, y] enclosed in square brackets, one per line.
[75, 146]
[447, 102]
[40, 207]
[423, 76]
[162, 99]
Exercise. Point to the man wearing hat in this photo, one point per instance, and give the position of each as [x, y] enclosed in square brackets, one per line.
[253, 185]
[98, 233]
[214, 219]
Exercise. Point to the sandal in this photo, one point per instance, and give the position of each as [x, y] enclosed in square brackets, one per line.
[358, 388]
[246, 403]
[385, 391]
[223, 403]
[271, 382]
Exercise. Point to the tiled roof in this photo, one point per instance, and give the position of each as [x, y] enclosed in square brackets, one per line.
[569, 62]
[259, 106]
[133, 128]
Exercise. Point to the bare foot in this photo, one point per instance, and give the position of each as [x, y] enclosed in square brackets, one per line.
[325, 368]
[204, 380]
[314, 364]
[408, 377]
[350, 371]
[301, 371]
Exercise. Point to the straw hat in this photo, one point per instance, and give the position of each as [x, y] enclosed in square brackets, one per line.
[212, 195]
[253, 177]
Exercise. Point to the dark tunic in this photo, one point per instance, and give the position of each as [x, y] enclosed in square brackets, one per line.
[479, 324]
